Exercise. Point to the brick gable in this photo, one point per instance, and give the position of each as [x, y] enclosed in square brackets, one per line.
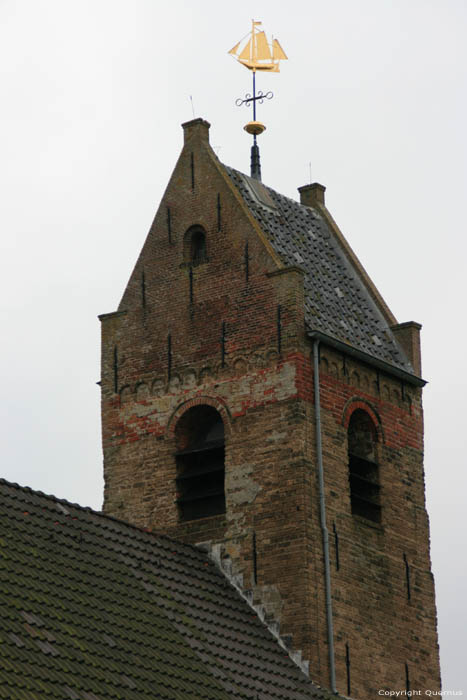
[236, 332]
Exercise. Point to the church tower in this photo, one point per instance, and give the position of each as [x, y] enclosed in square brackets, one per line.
[259, 397]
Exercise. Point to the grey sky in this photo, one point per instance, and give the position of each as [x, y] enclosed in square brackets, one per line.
[92, 95]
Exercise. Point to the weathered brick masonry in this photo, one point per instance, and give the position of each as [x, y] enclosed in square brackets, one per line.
[230, 332]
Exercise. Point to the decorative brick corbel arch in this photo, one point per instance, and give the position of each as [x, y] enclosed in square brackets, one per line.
[182, 408]
[357, 402]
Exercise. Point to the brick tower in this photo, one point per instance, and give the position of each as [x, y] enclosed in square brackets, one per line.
[259, 397]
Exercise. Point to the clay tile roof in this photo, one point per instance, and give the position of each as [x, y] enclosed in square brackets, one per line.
[337, 301]
[93, 608]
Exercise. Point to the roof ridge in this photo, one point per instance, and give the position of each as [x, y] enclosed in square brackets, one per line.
[340, 298]
[358, 266]
[99, 513]
[121, 606]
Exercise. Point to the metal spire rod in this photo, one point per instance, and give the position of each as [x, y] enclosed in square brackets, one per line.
[255, 128]
[257, 54]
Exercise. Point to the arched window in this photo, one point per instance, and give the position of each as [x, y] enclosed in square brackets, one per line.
[195, 252]
[363, 467]
[200, 463]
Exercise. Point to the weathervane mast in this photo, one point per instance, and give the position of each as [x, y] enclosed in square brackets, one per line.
[257, 55]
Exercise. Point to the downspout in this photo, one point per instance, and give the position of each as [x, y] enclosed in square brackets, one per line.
[322, 512]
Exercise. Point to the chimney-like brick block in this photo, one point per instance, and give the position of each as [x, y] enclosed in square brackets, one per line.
[408, 335]
[311, 195]
[290, 296]
[196, 128]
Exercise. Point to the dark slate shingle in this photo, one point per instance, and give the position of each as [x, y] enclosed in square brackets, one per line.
[337, 302]
[93, 608]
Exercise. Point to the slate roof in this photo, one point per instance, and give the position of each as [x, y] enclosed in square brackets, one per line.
[93, 608]
[337, 302]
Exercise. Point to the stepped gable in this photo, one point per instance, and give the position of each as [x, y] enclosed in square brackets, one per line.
[337, 302]
[94, 608]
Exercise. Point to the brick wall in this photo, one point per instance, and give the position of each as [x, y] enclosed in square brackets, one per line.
[229, 333]
[383, 591]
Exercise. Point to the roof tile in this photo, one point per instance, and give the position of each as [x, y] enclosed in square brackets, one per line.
[91, 607]
[337, 302]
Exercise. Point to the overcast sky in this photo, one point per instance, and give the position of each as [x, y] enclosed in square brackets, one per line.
[92, 95]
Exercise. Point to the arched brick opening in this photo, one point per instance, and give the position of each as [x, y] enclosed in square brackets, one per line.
[362, 439]
[357, 403]
[200, 459]
[195, 246]
[200, 401]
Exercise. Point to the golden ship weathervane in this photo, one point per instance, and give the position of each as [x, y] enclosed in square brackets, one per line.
[257, 54]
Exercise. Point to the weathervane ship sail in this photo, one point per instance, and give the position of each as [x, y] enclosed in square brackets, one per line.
[257, 55]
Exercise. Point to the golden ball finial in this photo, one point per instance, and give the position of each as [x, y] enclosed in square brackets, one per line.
[254, 128]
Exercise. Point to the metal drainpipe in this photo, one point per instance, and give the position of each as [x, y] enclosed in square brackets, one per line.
[322, 511]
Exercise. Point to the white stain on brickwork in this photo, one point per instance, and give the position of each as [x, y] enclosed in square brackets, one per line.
[239, 485]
